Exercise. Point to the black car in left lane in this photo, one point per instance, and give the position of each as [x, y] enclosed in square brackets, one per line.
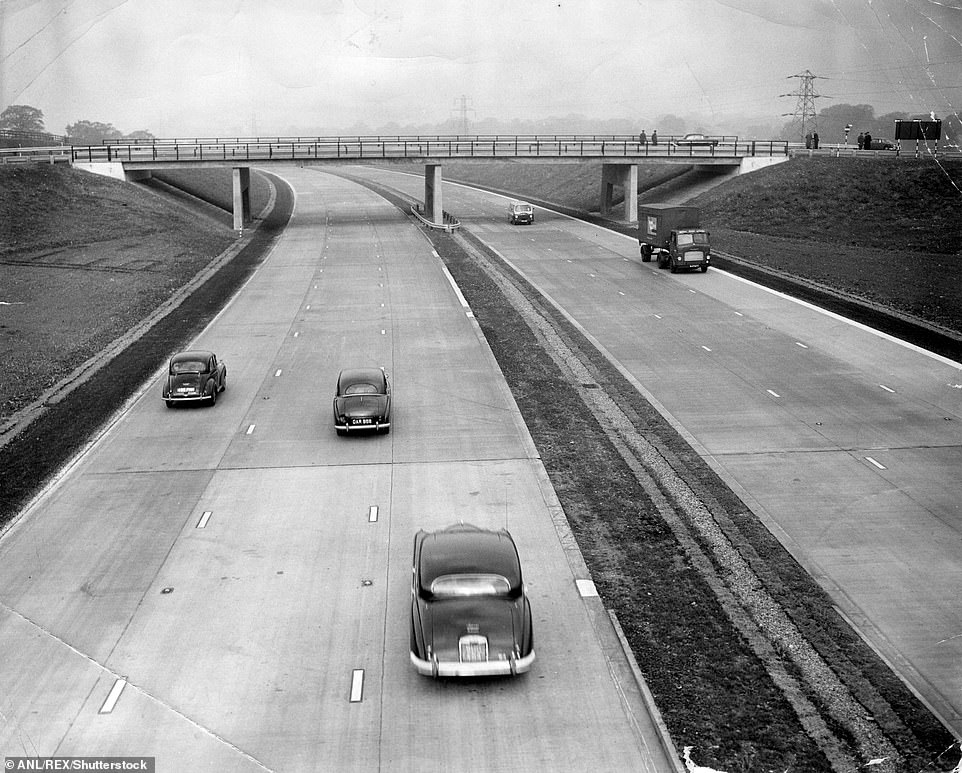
[194, 376]
[362, 401]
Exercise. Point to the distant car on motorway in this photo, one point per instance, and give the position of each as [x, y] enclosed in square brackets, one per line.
[194, 376]
[520, 212]
[469, 612]
[362, 401]
[696, 140]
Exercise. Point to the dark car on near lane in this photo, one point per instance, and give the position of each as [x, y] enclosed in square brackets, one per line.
[469, 612]
[362, 401]
[194, 376]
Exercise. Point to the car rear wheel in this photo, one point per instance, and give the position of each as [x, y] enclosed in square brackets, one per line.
[169, 403]
[213, 394]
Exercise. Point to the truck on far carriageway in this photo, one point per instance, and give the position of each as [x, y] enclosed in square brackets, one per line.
[672, 235]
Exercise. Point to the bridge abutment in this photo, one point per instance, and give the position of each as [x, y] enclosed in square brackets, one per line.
[624, 176]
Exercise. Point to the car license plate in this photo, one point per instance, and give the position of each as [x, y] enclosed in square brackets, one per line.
[362, 421]
[474, 649]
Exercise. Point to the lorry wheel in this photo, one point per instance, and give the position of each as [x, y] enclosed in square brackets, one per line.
[674, 269]
[645, 253]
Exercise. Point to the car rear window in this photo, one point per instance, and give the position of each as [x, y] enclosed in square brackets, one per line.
[188, 366]
[362, 389]
[459, 585]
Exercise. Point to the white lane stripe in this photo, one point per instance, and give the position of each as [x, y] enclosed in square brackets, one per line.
[705, 348]
[454, 285]
[357, 685]
[877, 464]
[113, 696]
[250, 429]
[773, 394]
[202, 523]
[277, 372]
[372, 514]
[586, 588]
[887, 389]
[799, 343]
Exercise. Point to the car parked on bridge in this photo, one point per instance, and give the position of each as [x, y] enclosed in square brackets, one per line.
[362, 401]
[880, 143]
[194, 376]
[695, 140]
[469, 612]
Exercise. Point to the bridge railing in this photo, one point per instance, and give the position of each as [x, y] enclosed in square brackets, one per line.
[393, 138]
[421, 149]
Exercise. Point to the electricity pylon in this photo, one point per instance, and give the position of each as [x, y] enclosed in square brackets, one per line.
[461, 105]
[804, 116]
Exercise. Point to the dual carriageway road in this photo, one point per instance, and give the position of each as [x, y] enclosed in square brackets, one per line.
[229, 588]
[292, 599]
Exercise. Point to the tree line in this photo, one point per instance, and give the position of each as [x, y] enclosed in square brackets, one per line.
[832, 121]
[29, 120]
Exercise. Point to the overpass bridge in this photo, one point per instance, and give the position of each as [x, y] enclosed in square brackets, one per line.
[618, 157]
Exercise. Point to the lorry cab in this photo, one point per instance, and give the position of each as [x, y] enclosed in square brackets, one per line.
[687, 249]
[520, 212]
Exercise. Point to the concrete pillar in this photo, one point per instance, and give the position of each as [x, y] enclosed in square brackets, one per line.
[624, 176]
[433, 207]
[242, 197]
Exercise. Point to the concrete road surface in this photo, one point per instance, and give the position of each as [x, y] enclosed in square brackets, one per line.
[228, 588]
[847, 443]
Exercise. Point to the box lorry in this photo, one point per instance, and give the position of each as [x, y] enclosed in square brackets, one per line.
[671, 234]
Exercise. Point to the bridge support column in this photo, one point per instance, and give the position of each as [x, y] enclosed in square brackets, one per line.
[242, 197]
[624, 176]
[433, 208]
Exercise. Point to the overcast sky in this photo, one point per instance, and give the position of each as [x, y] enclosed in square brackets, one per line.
[227, 67]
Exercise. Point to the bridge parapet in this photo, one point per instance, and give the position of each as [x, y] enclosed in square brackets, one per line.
[571, 148]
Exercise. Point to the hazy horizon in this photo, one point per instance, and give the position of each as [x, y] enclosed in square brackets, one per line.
[234, 67]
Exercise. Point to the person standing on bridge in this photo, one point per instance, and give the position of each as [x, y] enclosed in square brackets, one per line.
[814, 140]
[867, 141]
[654, 137]
[643, 138]
[861, 140]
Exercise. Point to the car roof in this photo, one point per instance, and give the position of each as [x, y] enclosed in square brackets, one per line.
[361, 376]
[468, 549]
[194, 354]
